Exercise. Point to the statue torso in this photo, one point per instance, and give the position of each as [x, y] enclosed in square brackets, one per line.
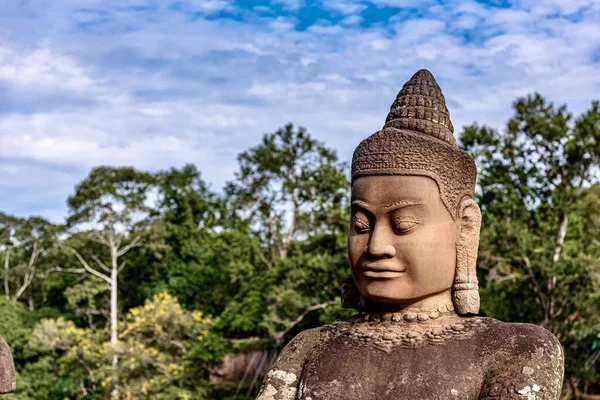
[455, 358]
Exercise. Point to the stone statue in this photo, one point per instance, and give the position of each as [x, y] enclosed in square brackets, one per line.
[7, 369]
[412, 246]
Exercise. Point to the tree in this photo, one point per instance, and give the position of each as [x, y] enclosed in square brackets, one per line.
[111, 207]
[158, 335]
[194, 251]
[539, 263]
[155, 339]
[288, 186]
[25, 243]
[293, 193]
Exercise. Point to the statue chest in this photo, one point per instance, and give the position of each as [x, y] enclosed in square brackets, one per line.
[349, 367]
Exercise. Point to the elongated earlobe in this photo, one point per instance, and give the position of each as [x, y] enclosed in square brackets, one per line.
[351, 297]
[465, 291]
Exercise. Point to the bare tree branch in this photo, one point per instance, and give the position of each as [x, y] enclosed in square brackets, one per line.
[578, 394]
[6, 265]
[261, 255]
[123, 264]
[289, 325]
[275, 238]
[99, 238]
[85, 264]
[26, 282]
[560, 238]
[125, 249]
[34, 254]
[536, 286]
[117, 242]
[28, 278]
[92, 311]
[178, 344]
[100, 263]
[291, 229]
[69, 270]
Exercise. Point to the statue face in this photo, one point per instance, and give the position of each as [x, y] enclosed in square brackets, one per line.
[402, 240]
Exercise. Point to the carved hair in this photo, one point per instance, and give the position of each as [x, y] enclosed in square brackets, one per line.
[417, 139]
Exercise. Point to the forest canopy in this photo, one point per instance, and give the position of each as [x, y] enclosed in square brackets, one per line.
[154, 283]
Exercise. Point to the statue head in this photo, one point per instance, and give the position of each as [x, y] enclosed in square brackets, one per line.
[414, 227]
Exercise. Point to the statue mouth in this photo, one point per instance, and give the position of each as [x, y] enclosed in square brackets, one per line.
[382, 271]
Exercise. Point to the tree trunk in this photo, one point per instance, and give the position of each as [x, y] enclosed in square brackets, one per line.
[551, 284]
[30, 299]
[114, 319]
[560, 238]
[6, 261]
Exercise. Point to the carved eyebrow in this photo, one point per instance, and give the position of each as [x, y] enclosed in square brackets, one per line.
[394, 205]
[402, 203]
[361, 204]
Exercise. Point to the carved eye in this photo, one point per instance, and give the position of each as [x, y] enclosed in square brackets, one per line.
[360, 225]
[405, 224]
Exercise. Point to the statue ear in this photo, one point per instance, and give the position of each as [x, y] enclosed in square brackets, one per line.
[465, 291]
[351, 297]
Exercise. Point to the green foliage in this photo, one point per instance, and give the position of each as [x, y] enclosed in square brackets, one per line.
[289, 185]
[213, 274]
[540, 196]
[16, 325]
[292, 191]
[27, 253]
[191, 246]
[155, 340]
[109, 195]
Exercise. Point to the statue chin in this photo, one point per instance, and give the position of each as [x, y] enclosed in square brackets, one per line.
[392, 293]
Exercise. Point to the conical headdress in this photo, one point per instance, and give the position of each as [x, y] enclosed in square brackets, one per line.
[417, 139]
[421, 107]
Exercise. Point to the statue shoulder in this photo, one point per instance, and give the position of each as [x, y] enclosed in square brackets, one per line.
[281, 382]
[7, 368]
[296, 351]
[522, 359]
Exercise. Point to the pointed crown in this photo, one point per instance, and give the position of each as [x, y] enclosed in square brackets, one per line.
[421, 107]
[418, 139]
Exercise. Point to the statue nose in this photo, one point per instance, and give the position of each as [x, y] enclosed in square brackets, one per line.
[385, 251]
[379, 247]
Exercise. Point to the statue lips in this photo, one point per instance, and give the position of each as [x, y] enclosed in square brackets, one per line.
[381, 270]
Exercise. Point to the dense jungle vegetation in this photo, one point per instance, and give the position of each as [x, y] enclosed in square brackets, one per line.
[153, 278]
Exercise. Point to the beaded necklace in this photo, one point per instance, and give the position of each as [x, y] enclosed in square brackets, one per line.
[410, 314]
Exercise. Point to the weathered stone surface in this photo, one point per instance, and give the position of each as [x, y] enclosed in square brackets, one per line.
[281, 383]
[7, 369]
[487, 359]
[483, 360]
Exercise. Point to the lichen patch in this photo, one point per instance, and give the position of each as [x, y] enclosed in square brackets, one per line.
[287, 377]
[268, 393]
[528, 393]
[527, 370]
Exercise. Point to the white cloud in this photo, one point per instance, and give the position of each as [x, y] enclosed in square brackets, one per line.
[42, 68]
[344, 7]
[402, 3]
[290, 4]
[205, 6]
[352, 20]
[163, 87]
[564, 7]
[415, 31]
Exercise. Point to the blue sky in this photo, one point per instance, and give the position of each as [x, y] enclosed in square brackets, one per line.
[160, 83]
